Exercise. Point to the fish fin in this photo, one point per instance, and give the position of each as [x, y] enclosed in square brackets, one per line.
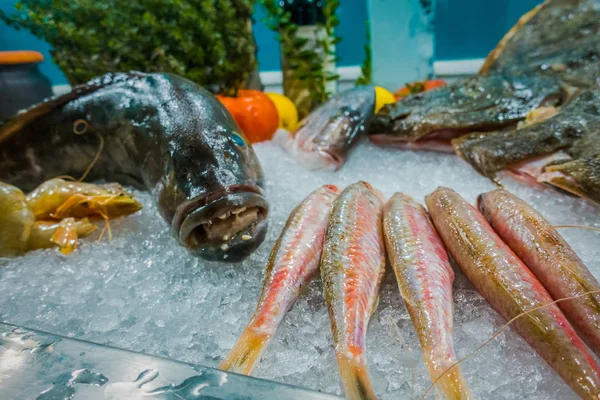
[356, 381]
[29, 115]
[375, 305]
[245, 353]
[65, 236]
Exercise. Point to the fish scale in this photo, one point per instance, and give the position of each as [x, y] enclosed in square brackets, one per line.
[352, 267]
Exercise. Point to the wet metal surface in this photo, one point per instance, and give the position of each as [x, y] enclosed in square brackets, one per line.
[41, 366]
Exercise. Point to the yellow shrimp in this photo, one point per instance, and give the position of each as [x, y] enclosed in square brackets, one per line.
[16, 220]
[58, 199]
[56, 214]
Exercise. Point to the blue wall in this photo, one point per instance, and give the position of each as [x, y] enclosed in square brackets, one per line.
[471, 28]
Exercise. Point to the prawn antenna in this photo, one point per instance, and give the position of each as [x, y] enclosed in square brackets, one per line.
[107, 225]
[96, 157]
[591, 228]
[80, 127]
[105, 229]
[495, 335]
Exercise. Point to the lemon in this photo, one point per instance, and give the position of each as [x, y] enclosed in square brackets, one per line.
[382, 97]
[288, 114]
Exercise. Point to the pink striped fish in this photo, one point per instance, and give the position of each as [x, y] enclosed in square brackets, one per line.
[352, 267]
[512, 289]
[549, 257]
[293, 262]
[425, 278]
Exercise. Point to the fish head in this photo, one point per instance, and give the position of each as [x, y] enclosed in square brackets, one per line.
[431, 119]
[326, 136]
[489, 202]
[212, 187]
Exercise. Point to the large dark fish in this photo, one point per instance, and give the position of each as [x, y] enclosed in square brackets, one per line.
[575, 132]
[553, 54]
[551, 51]
[328, 134]
[557, 38]
[430, 120]
[162, 133]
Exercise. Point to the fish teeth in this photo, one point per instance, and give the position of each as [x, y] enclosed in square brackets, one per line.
[225, 237]
[225, 216]
[246, 237]
[239, 210]
[224, 246]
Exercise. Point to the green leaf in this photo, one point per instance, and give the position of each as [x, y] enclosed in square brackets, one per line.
[207, 41]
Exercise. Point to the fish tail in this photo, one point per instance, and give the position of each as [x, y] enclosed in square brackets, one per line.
[245, 353]
[356, 381]
[453, 385]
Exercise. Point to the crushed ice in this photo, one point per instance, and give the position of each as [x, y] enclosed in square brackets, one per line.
[145, 293]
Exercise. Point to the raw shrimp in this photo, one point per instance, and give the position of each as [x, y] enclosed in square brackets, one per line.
[56, 214]
[58, 198]
[16, 220]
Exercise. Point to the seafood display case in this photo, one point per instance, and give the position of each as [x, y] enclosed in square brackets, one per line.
[164, 236]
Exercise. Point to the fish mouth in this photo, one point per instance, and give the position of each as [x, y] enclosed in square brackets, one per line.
[564, 183]
[227, 225]
[531, 170]
[438, 140]
[330, 161]
[318, 159]
[433, 138]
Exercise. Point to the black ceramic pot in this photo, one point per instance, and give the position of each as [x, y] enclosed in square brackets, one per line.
[21, 85]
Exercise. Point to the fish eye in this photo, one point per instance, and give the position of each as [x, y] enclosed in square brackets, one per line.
[238, 140]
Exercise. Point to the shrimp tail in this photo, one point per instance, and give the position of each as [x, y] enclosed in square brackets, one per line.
[65, 236]
[246, 352]
[357, 385]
